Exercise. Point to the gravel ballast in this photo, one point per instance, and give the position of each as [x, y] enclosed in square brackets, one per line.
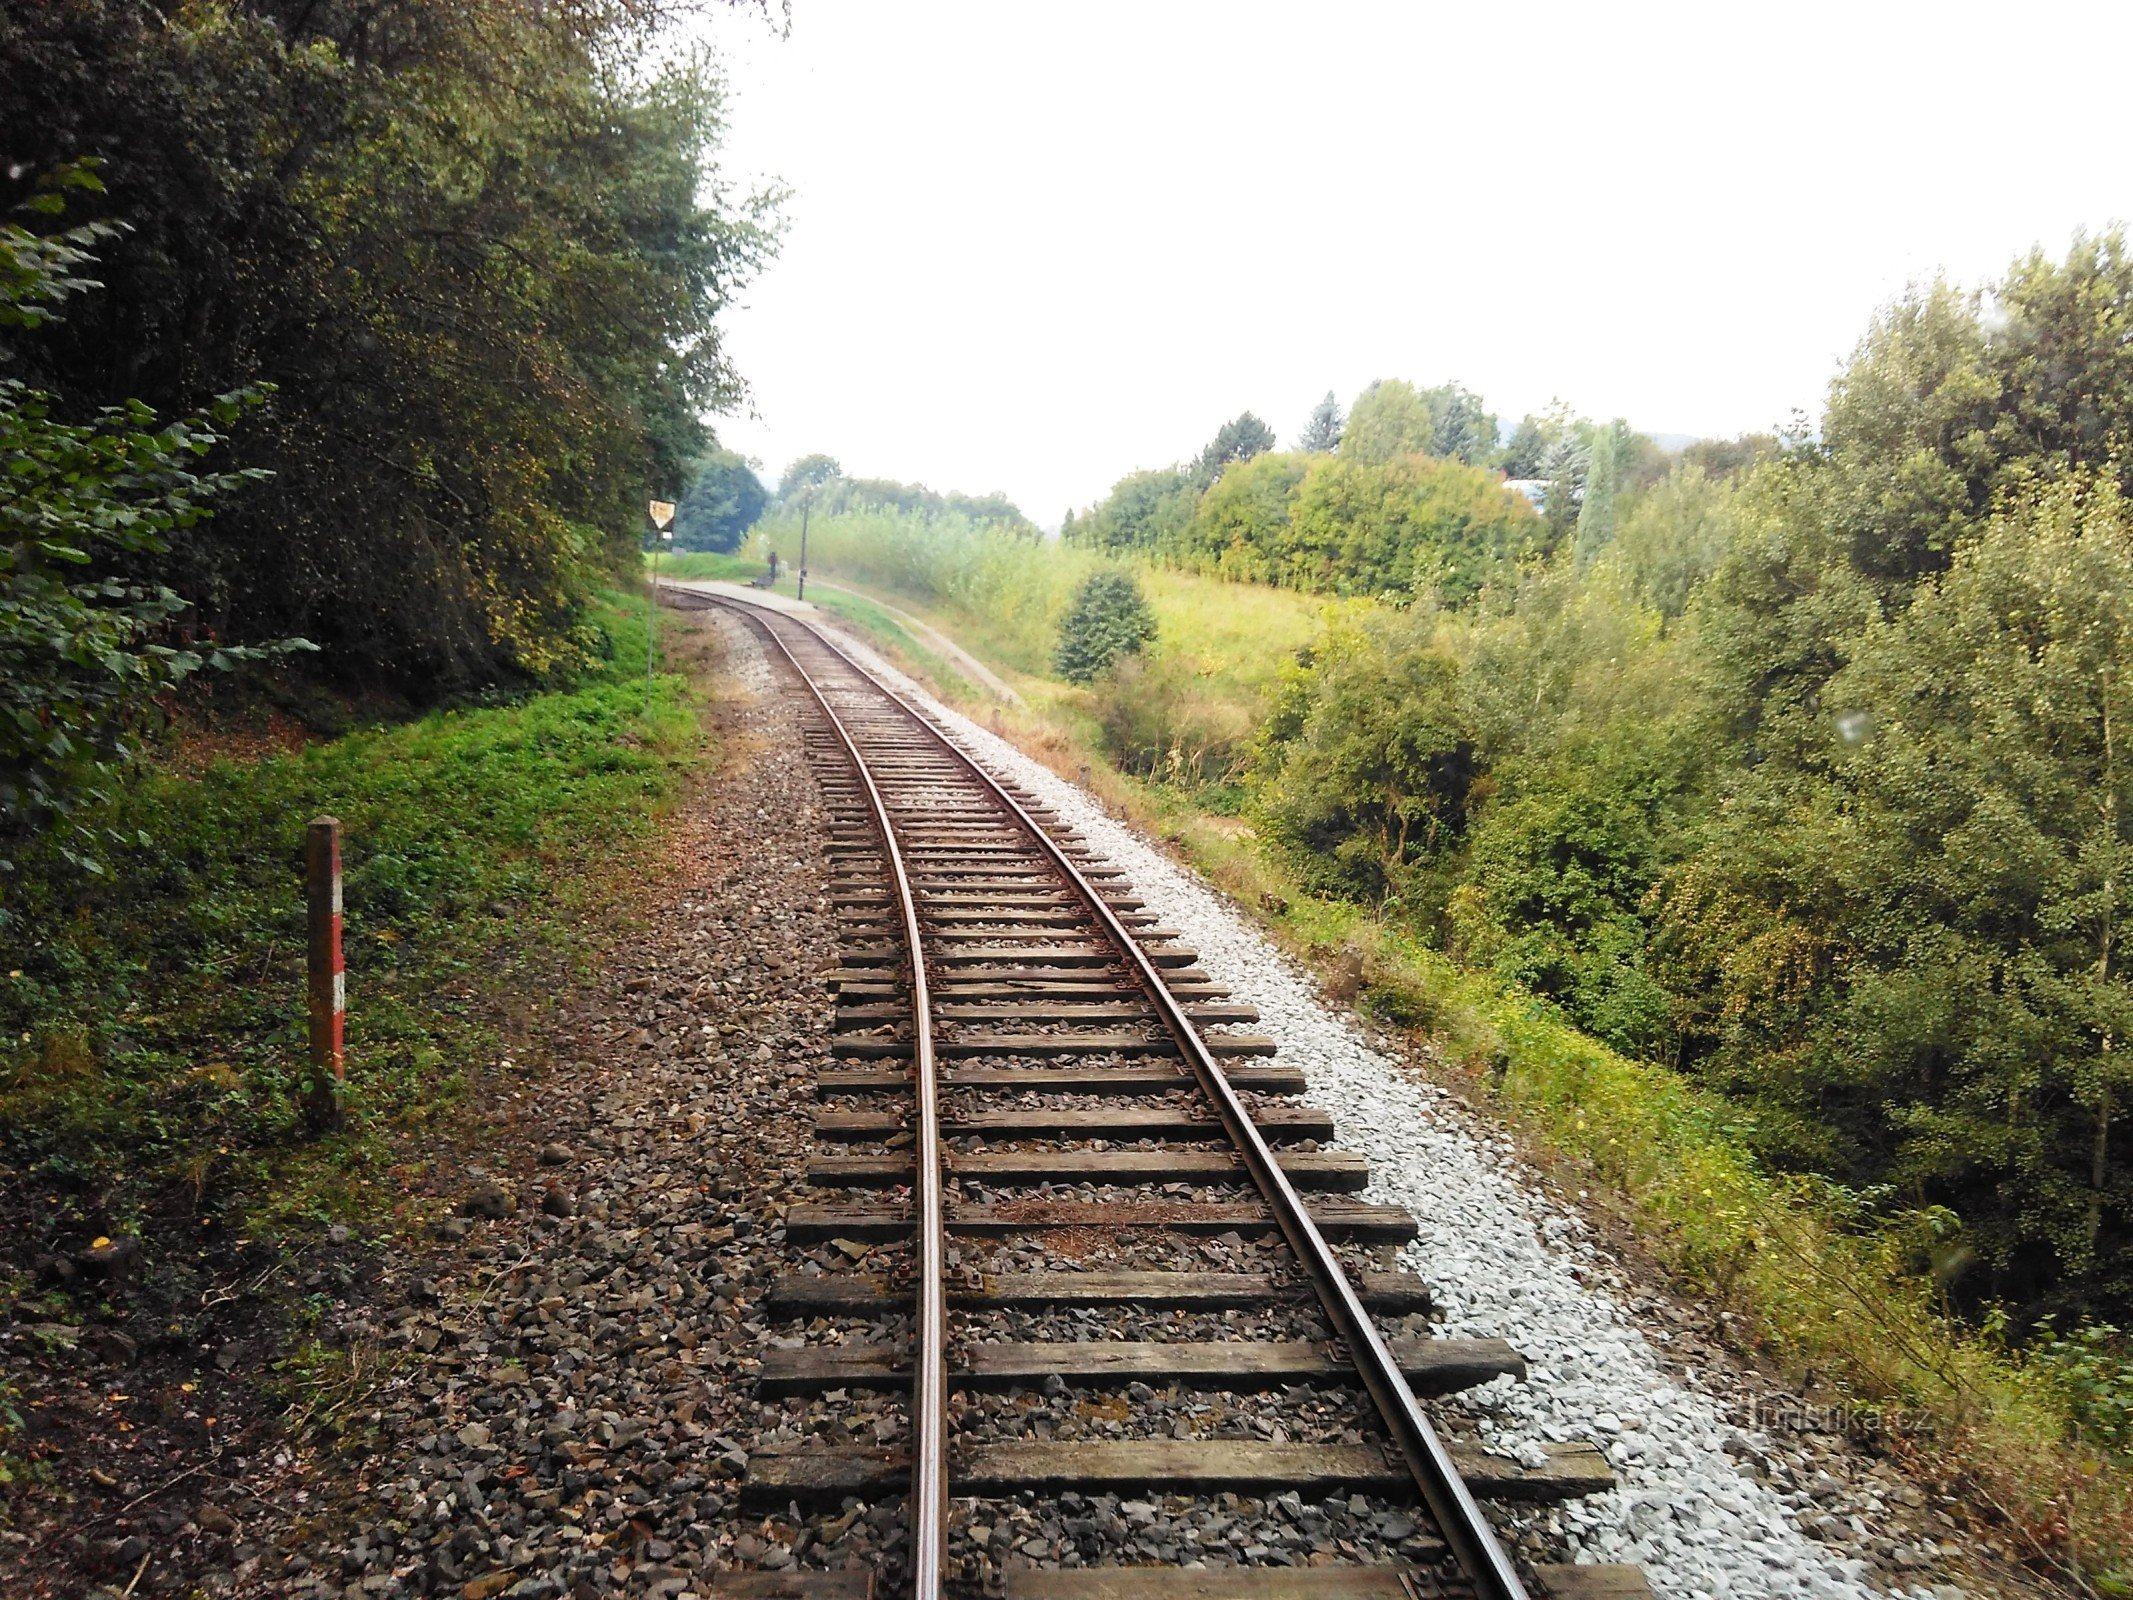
[1506, 1262]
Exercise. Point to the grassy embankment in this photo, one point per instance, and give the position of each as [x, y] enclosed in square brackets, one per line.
[154, 1041]
[1812, 1284]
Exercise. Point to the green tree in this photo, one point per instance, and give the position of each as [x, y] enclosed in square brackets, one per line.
[1368, 764]
[1108, 618]
[1389, 419]
[721, 504]
[1596, 509]
[478, 250]
[1564, 469]
[808, 472]
[1240, 526]
[1525, 453]
[1561, 863]
[1908, 943]
[1729, 458]
[1322, 431]
[1144, 511]
[1238, 439]
[1462, 427]
[1674, 537]
[1393, 418]
[1412, 525]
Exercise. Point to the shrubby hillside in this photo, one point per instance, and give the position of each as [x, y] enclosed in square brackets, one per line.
[1808, 776]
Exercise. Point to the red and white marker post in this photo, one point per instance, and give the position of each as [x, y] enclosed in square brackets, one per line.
[328, 976]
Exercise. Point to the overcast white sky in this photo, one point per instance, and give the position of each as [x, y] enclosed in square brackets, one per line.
[1032, 247]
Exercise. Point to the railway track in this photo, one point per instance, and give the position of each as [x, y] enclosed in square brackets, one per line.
[1073, 1222]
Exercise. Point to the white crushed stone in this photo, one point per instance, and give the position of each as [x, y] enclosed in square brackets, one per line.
[1502, 1261]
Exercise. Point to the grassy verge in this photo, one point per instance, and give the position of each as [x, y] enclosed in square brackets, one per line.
[1844, 1304]
[154, 1033]
[712, 564]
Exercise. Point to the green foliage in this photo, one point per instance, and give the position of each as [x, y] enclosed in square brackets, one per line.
[1552, 897]
[2090, 1366]
[1674, 537]
[721, 504]
[84, 650]
[1239, 439]
[1728, 458]
[808, 472]
[1331, 524]
[1393, 418]
[152, 1023]
[476, 249]
[1371, 757]
[1947, 406]
[1799, 769]
[1322, 433]
[1411, 526]
[837, 495]
[1145, 511]
[1109, 618]
[1945, 879]
[1596, 510]
[1243, 518]
[1164, 717]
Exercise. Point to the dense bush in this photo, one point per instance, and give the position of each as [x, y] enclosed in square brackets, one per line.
[1162, 716]
[1370, 760]
[1806, 771]
[84, 652]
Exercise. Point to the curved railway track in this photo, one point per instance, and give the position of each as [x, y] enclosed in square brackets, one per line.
[1045, 1133]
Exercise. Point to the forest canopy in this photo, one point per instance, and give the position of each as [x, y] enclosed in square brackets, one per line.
[474, 250]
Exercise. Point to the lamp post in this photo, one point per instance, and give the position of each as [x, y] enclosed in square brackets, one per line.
[807, 504]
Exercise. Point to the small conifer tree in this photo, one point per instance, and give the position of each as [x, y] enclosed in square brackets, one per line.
[1322, 434]
[1108, 619]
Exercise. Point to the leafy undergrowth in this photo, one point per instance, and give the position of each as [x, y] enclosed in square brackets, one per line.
[152, 1023]
[1822, 1283]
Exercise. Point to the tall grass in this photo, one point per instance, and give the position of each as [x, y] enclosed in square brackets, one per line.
[1183, 712]
[1006, 591]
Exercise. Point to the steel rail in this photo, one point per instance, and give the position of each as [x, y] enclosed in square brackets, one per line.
[929, 1389]
[1466, 1530]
